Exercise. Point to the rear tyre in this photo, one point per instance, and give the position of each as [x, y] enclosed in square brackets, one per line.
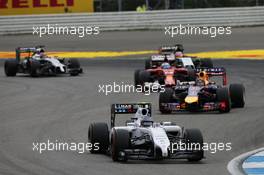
[191, 74]
[74, 66]
[194, 137]
[237, 94]
[179, 47]
[148, 63]
[223, 98]
[98, 136]
[164, 98]
[137, 78]
[196, 62]
[119, 142]
[207, 63]
[34, 68]
[11, 67]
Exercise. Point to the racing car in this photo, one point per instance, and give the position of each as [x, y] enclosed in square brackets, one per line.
[143, 139]
[172, 54]
[166, 74]
[203, 94]
[33, 61]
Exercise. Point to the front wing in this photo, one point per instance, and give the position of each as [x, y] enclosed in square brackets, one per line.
[177, 107]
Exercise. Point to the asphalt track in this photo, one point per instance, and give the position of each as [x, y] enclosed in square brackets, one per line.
[240, 39]
[37, 109]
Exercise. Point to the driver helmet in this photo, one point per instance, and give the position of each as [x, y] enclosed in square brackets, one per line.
[165, 66]
[141, 112]
[203, 76]
[142, 117]
[178, 54]
[40, 52]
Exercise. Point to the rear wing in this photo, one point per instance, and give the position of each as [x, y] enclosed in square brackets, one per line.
[215, 71]
[127, 108]
[167, 49]
[171, 49]
[28, 50]
[162, 58]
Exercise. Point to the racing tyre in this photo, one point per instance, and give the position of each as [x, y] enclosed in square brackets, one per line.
[145, 76]
[161, 80]
[74, 66]
[98, 136]
[207, 63]
[119, 142]
[194, 137]
[34, 68]
[11, 67]
[191, 74]
[165, 97]
[222, 95]
[137, 78]
[237, 95]
[196, 62]
[179, 47]
[148, 63]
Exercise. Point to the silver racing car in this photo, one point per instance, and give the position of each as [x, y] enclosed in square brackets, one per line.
[33, 61]
[142, 138]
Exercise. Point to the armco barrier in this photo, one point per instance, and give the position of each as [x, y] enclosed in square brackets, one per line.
[242, 16]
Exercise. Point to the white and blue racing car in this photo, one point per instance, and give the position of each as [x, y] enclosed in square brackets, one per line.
[141, 138]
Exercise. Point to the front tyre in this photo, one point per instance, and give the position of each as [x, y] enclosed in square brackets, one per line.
[145, 76]
[98, 136]
[237, 94]
[119, 142]
[165, 98]
[11, 67]
[223, 98]
[74, 67]
[194, 138]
